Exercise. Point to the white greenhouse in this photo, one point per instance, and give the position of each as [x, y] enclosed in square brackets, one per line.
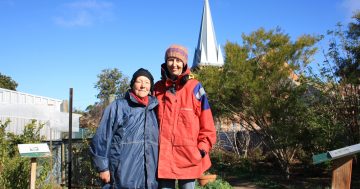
[20, 108]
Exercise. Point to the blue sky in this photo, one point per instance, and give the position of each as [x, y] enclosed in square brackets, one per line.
[49, 46]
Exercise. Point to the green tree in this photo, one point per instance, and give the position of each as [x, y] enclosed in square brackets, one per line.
[7, 83]
[211, 78]
[326, 131]
[343, 76]
[111, 81]
[344, 52]
[260, 88]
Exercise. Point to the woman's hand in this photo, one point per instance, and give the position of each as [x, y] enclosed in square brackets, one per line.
[105, 176]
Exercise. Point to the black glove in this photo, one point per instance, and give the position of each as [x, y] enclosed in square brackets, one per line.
[202, 153]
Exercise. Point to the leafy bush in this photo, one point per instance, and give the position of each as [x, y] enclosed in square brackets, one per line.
[15, 170]
[229, 161]
[217, 184]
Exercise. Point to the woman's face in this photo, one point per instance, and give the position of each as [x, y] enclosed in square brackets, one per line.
[142, 86]
[175, 66]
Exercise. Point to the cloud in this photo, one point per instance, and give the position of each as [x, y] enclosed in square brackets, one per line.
[351, 6]
[81, 18]
[84, 13]
[91, 4]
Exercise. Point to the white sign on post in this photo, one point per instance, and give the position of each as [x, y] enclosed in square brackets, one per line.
[34, 150]
[346, 151]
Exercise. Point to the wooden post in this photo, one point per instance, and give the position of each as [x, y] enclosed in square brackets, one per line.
[33, 173]
[341, 174]
[33, 151]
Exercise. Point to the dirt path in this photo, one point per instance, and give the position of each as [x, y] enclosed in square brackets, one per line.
[245, 185]
[238, 184]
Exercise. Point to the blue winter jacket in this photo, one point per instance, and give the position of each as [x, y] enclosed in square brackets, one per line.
[126, 143]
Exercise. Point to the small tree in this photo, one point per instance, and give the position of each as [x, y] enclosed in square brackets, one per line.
[7, 82]
[111, 81]
[343, 73]
[260, 85]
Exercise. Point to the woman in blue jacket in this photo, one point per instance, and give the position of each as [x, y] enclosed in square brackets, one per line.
[125, 147]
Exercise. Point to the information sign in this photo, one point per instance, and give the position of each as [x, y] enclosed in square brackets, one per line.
[34, 150]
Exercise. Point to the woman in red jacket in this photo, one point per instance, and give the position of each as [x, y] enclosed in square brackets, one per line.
[187, 131]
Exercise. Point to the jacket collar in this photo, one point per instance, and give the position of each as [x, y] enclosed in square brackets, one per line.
[152, 101]
[165, 76]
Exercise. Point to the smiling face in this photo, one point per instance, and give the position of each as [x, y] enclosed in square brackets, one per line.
[141, 86]
[175, 66]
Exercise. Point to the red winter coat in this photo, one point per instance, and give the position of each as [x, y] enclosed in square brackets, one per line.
[186, 126]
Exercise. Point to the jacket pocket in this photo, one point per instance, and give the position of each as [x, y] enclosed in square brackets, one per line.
[186, 117]
[187, 123]
[114, 171]
[186, 153]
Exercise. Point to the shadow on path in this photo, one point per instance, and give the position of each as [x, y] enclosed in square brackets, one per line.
[242, 184]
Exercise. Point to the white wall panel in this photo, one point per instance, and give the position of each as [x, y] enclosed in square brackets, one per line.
[20, 108]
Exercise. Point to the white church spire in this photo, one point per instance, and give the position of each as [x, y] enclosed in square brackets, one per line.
[207, 53]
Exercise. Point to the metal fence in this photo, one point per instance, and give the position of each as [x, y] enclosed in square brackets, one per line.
[83, 175]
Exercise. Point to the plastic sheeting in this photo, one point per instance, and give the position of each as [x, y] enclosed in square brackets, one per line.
[54, 119]
[21, 108]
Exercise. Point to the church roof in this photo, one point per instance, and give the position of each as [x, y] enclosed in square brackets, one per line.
[208, 52]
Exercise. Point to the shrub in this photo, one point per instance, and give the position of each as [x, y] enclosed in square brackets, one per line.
[15, 170]
[217, 184]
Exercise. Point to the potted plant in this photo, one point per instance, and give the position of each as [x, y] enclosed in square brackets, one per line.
[206, 178]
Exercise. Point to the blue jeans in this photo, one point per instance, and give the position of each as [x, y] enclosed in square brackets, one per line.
[183, 183]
